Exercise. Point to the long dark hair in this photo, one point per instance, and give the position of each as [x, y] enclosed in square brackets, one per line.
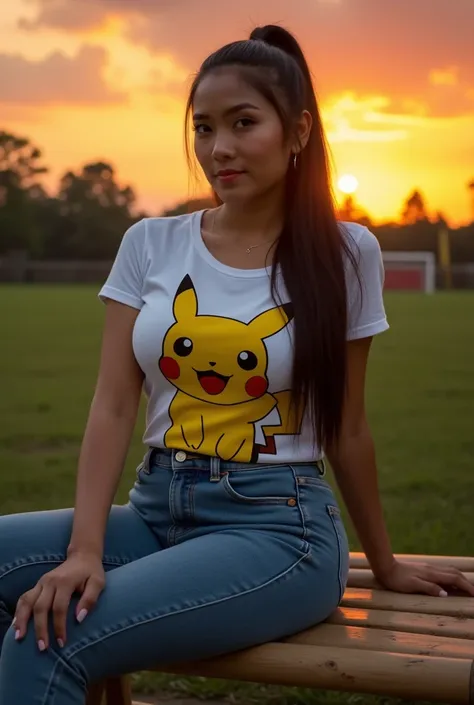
[312, 246]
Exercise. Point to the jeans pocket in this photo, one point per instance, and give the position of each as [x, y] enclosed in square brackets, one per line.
[253, 487]
[342, 547]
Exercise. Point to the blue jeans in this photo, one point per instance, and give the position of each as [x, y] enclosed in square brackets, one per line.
[208, 557]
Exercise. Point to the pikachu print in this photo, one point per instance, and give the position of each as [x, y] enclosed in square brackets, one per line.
[218, 366]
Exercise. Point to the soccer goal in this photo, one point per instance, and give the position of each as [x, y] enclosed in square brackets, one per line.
[415, 271]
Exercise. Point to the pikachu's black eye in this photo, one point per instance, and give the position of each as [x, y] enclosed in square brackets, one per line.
[247, 360]
[183, 347]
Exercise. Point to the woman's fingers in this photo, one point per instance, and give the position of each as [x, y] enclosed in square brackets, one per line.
[90, 595]
[455, 578]
[436, 581]
[41, 610]
[431, 588]
[61, 602]
[24, 610]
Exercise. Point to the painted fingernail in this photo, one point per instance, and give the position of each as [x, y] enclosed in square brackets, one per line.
[41, 645]
[17, 634]
[443, 593]
[61, 643]
[13, 621]
[82, 615]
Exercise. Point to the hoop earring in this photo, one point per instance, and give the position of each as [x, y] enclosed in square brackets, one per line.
[295, 161]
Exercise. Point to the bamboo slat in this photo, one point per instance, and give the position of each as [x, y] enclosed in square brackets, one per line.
[356, 670]
[463, 563]
[329, 635]
[361, 598]
[440, 625]
[410, 646]
[364, 578]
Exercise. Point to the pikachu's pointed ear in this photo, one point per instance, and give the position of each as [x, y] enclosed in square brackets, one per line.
[271, 321]
[185, 305]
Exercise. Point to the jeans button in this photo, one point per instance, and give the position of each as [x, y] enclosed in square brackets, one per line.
[180, 456]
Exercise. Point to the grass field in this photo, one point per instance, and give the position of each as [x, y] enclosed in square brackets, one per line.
[420, 399]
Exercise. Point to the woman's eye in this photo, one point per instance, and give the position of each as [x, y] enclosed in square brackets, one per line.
[244, 122]
[200, 129]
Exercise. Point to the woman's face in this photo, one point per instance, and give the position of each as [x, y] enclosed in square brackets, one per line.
[239, 139]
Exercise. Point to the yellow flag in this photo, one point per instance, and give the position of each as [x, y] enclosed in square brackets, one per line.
[444, 247]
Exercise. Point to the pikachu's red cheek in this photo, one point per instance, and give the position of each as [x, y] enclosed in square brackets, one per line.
[169, 368]
[256, 386]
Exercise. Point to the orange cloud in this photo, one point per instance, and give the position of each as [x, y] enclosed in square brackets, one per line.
[395, 82]
[364, 45]
[444, 77]
[57, 79]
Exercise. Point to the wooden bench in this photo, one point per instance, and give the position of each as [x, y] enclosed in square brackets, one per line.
[378, 641]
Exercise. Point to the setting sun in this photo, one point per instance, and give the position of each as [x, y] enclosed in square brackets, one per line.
[348, 184]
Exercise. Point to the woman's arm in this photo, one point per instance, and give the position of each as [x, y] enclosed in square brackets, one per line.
[108, 431]
[354, 464]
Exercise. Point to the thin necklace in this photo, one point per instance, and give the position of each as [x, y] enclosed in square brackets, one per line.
[247, 249]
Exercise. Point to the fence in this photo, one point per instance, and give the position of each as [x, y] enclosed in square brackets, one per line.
[17, 268]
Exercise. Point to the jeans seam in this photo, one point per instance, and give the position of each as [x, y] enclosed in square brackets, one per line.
[300, 509]
[171, 534]
[9, 568]
[53, 680]
[191, 496]
[52, 559]
[73, 652]
[331, 509]
[172, 498]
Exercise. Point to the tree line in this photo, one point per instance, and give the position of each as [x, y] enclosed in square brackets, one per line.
[89, 212]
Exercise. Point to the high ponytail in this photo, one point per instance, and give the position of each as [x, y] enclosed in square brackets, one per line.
[280, 38]
[312, 248]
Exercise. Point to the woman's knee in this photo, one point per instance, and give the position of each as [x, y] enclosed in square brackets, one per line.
[31, 544]
[44, 671]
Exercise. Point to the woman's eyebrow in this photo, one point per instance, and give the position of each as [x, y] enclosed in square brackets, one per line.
[234, 109]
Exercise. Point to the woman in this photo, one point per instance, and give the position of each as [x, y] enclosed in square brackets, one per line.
[250, 326]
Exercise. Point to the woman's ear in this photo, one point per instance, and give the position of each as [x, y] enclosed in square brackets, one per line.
[303, 131]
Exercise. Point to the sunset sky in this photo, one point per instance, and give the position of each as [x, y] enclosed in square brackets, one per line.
[107, 79]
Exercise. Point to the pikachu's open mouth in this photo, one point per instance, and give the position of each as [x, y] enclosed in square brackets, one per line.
[212, 382]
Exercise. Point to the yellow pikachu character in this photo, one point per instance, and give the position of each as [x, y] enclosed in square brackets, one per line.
[218, 366]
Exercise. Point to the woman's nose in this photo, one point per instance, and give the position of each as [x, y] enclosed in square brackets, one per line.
[223, 147]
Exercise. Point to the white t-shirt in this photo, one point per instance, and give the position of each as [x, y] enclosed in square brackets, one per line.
[215, 350]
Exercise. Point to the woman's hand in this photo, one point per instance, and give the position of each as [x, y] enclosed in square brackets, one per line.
[82, 573]
[425, 578]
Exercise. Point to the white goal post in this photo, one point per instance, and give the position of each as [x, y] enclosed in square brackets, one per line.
[410, 270]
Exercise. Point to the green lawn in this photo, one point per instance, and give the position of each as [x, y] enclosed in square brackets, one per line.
[420, 399]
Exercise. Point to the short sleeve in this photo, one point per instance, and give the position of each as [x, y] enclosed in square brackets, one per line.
[366, 310]
[125, 280]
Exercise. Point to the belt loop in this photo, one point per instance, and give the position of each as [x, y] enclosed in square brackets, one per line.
[215, 469]
[146, 460]
[322, 466]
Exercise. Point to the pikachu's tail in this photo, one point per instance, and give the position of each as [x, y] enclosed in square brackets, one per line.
[290, 423]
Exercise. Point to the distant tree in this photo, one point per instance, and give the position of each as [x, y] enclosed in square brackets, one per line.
[19, 161]
[93, 213]
[414, 209]
[441, 220]
[350, 211]
[471, 189]
[21, 193]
